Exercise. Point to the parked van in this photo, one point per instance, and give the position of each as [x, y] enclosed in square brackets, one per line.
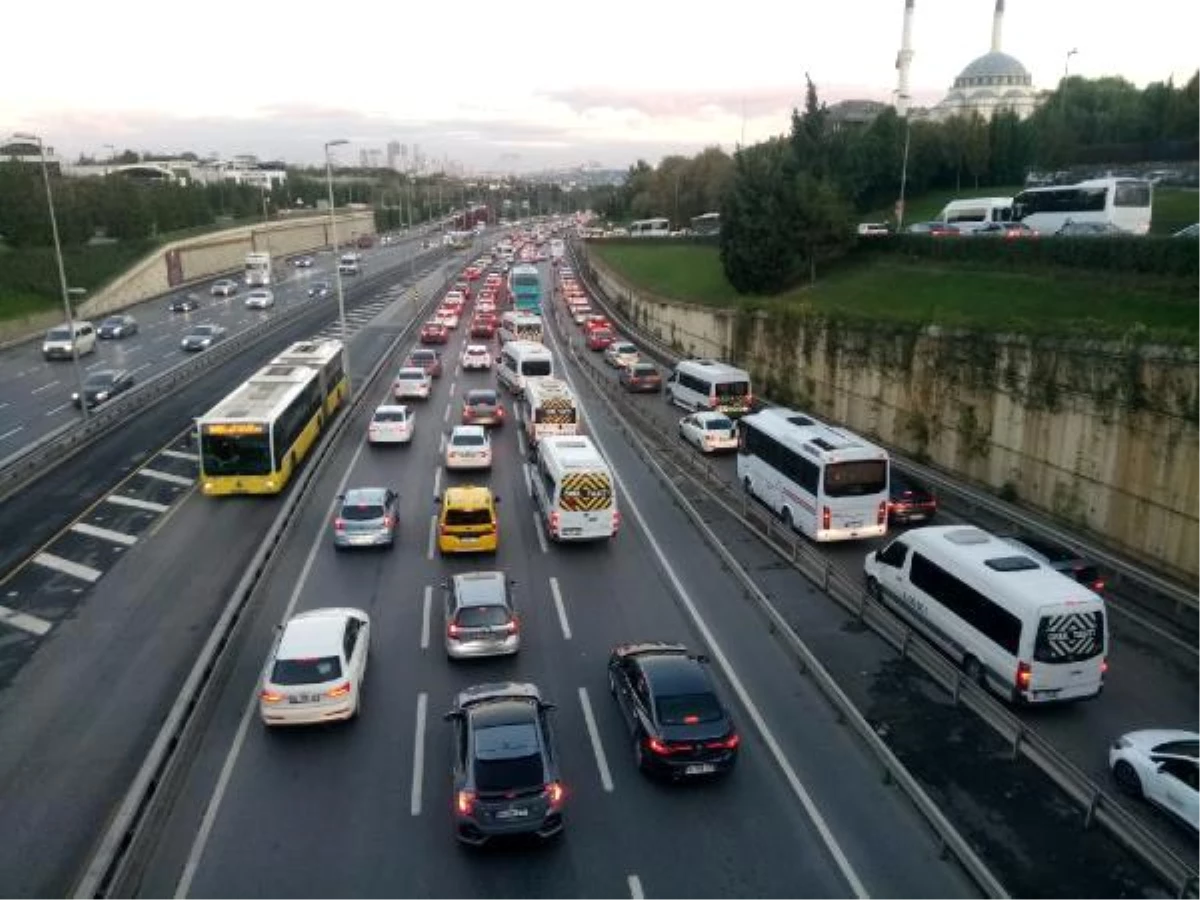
[1016, 626]
[59, 342]
[523, 359]
[708, 384]
[971, 215]
[573, 490]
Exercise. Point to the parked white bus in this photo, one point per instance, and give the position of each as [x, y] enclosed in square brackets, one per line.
[1123, 202]
[1014, 625]
[573, 490]
[825, 482]
[258, 270]
[650, 228]
[548, 408]
[522, 360]
[972, 214]
[698, 384]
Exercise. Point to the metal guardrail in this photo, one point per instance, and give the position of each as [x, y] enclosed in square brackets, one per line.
[1098, 806]
[117, 862]
[35, 460]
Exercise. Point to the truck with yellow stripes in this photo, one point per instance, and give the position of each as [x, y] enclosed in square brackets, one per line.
[548, 407]
[574, 491]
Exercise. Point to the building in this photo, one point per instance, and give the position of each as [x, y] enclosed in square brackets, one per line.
[990, 83]
[393, 154]
[854, 114]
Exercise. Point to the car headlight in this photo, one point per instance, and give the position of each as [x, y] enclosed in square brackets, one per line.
[75, 396]
[206, 342]
[103, 395]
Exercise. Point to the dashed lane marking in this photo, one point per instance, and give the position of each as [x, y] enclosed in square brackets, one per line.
[67, 567]
[594, 733]
[166, 476]
[107, 534]
[182, 454]
[24, 621]
[136, 503]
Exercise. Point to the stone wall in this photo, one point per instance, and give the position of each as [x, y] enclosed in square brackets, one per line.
[1101, 436]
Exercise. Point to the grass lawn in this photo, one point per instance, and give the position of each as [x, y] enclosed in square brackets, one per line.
[925, 292]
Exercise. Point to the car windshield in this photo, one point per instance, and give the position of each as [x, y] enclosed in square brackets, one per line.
[482, 616]
[467, 440]
[100, 379]
[718, 425]
[203, 331]
[643, 370]
[687, 709]
[411, 375]
[482, 398]
[508, 757]
[59, 334]
[312, 670]
[536, 367]
[422, 356]
[235, 454]
[362, 512]
[390, 415]
[461, 517]
[112, 322]
[732, 388]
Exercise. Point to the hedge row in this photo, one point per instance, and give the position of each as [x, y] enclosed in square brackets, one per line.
[34, 270]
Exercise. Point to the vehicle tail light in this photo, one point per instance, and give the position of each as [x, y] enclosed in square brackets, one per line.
[388, 521]
[500, 412]
[513, 625]
[728, 743]
[556, 794]
[554, 522]
[1104, 666]
[453, 630]
[1098, 586]
[468, 413]
[660, 747]
[340, 691]
[616, 521]
[270, 696]
[339, 524]
[464, 802]
[444, 530]
[1024, 676]
[826, 518]
[881, 513]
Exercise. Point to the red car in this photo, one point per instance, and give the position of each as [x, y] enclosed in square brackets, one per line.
[594, 321]
[429, 360]
[434, 333]
[599, 338]
[472, 273]
[464, 288]
[483, 328]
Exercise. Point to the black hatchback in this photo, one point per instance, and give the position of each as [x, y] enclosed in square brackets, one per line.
[909, 500]
[184, 303]
[1061, 559]
[103, 385]
[506, 780]
[679, 726]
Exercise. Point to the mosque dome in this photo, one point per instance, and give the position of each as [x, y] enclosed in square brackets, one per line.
[994, 69]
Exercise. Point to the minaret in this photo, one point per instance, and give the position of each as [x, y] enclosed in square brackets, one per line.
[997, 25]
[904, 61]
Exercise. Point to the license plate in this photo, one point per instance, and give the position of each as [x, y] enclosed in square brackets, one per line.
[468, 540]
[303, 698]
[916, 517]
[700, 769]
[572, 530]
[853, 523]
[513, 813]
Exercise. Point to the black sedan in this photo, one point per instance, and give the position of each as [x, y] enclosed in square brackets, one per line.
[679, 726]
[201, 337]
[117, 327]
[319, 290]
[909, 500]
[186, 303]
[506, 780]
[103, 385]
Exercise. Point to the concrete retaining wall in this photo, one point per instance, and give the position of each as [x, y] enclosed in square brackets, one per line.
[1101, 436]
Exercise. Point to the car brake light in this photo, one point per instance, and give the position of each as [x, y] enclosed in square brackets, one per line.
[453, 630]
[340, 691]
[659, 747]
[1098, 586]
[555, 793]
[339, 524]
[881, 513]
[500, 412]
[1104, 666]
[464, 802]
[616, 521]
[388, 521]
[1024, 676]
[513, 626]
[729, 743]
[554, 520]
[468, 413]
[270, 696]
[826, 518]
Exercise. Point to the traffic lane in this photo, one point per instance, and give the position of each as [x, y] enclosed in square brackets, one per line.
[863, 815]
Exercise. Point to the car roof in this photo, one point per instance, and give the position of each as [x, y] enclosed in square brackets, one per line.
[468, 496]
[411, 371]
[315, 633]
[476, 347]
[515, 691]
[1041, 546]
[674, 673]
[104, 373]
[482, 394]
[391, 408]
[706, 414]
[422, 351]
[480, 588]
[365, 496]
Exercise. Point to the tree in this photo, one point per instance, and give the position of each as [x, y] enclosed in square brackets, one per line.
[759, 248]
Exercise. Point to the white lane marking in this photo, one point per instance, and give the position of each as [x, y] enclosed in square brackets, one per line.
[432, 536]
[528, 482]
[107, 534]
[139, 368]
[446, 414]
[161, 337]
[11, 432]
[182, 454]
[166, 476]
[427, 608]
[537, 528]
[760, 724]
[635, 888]
[3, 405]
[57, 409]
[44, 387]
[437, 481]
[24, 621]
[594, 733]
[521, 443]
[67, 567]
[168, 356]
[419, 754]
[442, 443]
[214, 802]
[137, 503]
[91, 366]
[558, 605]
[453, 385]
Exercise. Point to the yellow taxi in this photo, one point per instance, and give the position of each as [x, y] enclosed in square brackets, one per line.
[467, 521]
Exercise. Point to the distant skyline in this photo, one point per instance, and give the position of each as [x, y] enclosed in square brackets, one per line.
[545, 85]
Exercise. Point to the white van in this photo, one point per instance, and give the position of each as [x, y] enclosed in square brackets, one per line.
[523, 359]
[519, 326]
[972, 214]
[573, 490]
[58, 343]
[1014, 625]
[708, 384]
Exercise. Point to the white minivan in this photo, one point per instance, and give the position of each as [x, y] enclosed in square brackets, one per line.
[698, 384]
[974, 213]
[58, 343]
[520, 360]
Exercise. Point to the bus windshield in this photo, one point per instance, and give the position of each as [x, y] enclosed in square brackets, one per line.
[856, 479]
[243, 454]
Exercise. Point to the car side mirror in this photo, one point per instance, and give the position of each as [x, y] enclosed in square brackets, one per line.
[702, 657]
[875, 555]
[451, 716]
[340, 497]
[547, 706]
[497, 499]
[437, 498]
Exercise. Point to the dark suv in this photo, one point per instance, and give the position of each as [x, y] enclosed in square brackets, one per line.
[1059, 558]
[679, 726]
[909, 500]
[506, 779]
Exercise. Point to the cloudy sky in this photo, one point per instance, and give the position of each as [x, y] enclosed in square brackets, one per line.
[519, 86]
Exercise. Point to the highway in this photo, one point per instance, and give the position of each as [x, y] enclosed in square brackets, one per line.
[35, 393]
[364, 809]
[1151, 681]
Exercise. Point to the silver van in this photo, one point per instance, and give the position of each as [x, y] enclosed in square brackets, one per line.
[61, 344]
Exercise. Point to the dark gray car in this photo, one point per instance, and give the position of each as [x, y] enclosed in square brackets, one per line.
[103, 385]
[482, 407]
[1061, 559]
[201, 337]
[366, 518]
[117, 327]
[505, 769]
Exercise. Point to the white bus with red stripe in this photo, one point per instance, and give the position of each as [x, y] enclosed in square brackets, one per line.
[827, 483]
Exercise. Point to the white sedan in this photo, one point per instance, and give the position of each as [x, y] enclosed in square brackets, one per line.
[448, 316]
[412, 381]
[315, 671]
[1161, 766]
[620, 354]
[259, 298]
[476, 356]
[392, 423]
[469, 447]
[709, 431]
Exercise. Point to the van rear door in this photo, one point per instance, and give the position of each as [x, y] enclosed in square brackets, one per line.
[1070, 647]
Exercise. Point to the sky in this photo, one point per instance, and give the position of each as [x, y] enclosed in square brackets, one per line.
[527, 85]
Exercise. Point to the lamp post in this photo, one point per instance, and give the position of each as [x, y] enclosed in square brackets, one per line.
[62, 272]
[112, 155]
[412, 251]
[904, 165]
[1067, 63]
[337, 272]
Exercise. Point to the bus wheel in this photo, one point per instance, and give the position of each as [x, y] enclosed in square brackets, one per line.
[786, 515]
[973, 670]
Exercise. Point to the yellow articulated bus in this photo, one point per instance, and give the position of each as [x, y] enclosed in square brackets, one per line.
[253, 440]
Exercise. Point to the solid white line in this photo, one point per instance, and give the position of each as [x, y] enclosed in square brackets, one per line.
[432, 536]
[521, 443]
[594, 733]
[537, 528]
[166, 476]
[11, 432]
[44, 387]
[427, 608]
[635, 888]
[789, 773]
[91, 366]
[57, 409]
[214, 802]
[107, 534]
[562, 610]
[135, 503]
[139, 368]
[528, 482]
[437, 481]
[182, 454]
[78, 570]
[419, 754]
[24, 621]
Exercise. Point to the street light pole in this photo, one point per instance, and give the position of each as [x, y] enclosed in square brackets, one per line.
[62, 271]
[337, 271]
[1067, 63]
